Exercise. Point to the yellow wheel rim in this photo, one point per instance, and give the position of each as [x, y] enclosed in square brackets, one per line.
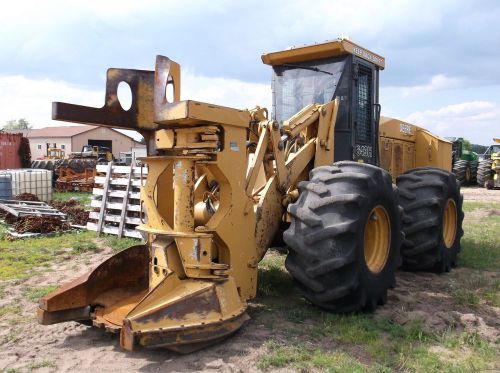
[467, 174]
[449, 223]
[377, 239]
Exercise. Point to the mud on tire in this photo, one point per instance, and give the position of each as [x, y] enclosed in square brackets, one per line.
[424, 194]
[326, 236]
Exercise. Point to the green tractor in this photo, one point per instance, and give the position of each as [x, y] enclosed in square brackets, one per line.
[465, 161]
[489, 167]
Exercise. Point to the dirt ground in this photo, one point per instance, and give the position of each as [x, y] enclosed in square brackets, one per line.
[71, 347]
[481, 194]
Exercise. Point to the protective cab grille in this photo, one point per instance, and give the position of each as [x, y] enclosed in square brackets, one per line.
[363, 114]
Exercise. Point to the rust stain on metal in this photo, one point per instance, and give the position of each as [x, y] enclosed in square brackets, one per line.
[200, 304]
[188, 340]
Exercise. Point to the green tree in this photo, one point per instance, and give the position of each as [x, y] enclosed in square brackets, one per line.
[17, 124]
[467, 145]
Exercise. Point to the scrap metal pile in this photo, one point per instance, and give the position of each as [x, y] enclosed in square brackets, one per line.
[77, 172]
[74, 212]
[68, 180]
[26, 214]
[26, 197]
[40, 224]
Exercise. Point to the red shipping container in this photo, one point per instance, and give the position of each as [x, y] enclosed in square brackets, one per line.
[9, 150]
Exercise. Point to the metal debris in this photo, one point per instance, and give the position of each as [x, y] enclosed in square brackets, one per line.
[27, 197]
[75, 213]
[38, 224]
[31, 208]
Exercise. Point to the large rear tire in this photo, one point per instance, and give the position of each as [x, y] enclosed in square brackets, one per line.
[432, 220]
[344, 236]
[462, 171]
[473, 170]
[484, 172]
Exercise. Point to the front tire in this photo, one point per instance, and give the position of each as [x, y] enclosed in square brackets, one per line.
[432, 220]
[344, 236]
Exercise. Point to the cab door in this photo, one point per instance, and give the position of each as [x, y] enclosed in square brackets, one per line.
[365, 112]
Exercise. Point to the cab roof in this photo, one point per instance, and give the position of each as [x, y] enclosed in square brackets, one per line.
[333, 48]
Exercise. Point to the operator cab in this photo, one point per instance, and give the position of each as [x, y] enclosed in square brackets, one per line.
[492, 149]
[322, 72]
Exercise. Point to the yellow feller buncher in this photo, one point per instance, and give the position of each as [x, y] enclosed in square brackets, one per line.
[489, 167]
[223, 183]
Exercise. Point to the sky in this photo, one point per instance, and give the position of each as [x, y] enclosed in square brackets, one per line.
[442, 57]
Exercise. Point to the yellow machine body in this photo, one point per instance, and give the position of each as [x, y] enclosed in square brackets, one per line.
[218, 184]
[404, 146]
[494, 180]
[54, 153]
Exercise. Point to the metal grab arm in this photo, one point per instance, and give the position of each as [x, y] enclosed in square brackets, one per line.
[148, 90]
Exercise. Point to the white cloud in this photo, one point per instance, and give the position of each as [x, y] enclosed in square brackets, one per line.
[356, 17]
[477, 121]
[439, 82]
[21, 97]
[226, 92]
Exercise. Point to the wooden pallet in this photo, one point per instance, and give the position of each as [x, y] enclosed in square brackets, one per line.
[116, 195]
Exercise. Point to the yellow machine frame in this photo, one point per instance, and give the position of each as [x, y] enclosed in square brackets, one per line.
[216, 191]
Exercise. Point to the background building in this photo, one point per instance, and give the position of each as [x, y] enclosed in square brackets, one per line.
[73, 138]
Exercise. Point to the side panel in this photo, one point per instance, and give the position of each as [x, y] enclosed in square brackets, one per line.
[409, 156]
[396, 156]
[417, 147]
[386, 153]
[432, 151]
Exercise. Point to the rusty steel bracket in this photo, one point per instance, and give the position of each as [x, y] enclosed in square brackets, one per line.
[149, 99]
[140, 115]
[167, 75]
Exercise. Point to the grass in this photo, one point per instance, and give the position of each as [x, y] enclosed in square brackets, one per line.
[306, 338]
[474, 290]
[83, 197]
[481, 241]
[9, 309]
[19, 257]
[303, 358]
[469, 206]
[405, 357]
[274, 280]
[492, 294]
[41, 364]
[119, 244]
[384, 346]
[3, 231]
[35, 293]
[466, 297]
